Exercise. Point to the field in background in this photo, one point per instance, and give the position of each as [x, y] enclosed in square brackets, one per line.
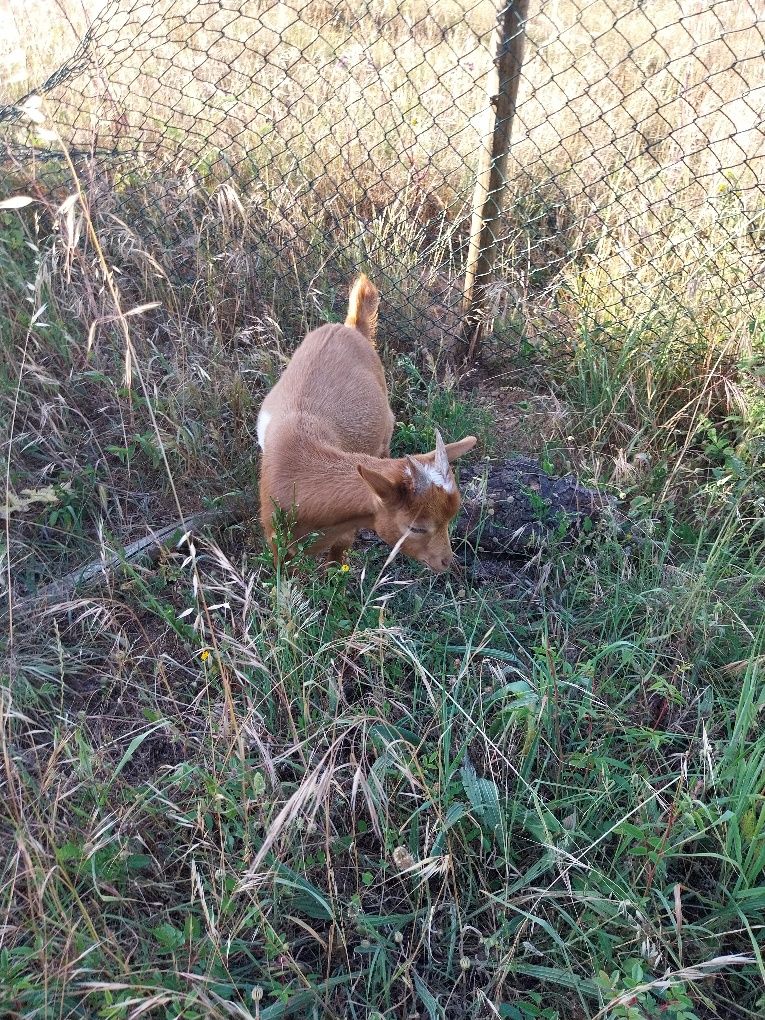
[36, 37]
[230, 792]
[636, 170]
[606, 86]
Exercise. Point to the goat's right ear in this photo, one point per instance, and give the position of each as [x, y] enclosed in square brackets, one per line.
[381, 485]
[461, 447]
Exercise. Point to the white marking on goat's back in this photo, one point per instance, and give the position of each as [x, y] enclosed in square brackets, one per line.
[264, 419]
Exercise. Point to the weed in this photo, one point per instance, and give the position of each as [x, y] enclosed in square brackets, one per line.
[423, 404]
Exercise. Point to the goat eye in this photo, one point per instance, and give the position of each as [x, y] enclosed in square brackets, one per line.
[418, 531]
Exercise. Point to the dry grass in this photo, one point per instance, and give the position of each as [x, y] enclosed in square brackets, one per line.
[635, 125]
[36, 37]
[310, 88]
[676, 87]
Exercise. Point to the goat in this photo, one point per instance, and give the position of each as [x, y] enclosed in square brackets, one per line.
[325, 430]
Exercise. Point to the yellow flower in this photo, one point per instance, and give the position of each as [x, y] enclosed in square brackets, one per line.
[204, 656]
[345, 568]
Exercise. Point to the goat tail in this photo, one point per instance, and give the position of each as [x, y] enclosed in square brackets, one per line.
[363, 302]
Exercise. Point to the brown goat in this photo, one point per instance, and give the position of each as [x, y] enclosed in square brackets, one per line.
[325, 431]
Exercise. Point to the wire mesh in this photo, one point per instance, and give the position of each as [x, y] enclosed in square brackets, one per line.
[351, 134]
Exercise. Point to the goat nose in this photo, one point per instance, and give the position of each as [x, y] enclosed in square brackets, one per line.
[446, 561]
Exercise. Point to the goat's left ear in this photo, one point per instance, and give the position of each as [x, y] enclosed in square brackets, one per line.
[456, 450]
[379, 483]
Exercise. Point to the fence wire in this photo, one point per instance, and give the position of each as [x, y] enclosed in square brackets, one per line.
[341, 135]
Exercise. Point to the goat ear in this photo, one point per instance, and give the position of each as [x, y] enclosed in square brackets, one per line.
[446, 453]
[441, 457]
[459, 449]
[379, 483]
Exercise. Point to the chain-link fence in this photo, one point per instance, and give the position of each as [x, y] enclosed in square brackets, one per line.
[355, 134]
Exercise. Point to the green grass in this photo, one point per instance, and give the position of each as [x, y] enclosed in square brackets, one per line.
[423, 404]
[231, 791]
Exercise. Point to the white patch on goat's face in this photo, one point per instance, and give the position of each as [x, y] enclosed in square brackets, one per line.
[264, 419]
[436, 478]
[430, 475]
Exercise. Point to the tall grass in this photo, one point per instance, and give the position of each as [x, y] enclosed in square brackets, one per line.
[373, 96]
[36, 37]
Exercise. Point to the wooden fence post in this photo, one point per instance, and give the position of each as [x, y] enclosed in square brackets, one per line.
[491, 183]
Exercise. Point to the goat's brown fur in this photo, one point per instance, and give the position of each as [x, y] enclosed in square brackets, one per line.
[326, 428]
